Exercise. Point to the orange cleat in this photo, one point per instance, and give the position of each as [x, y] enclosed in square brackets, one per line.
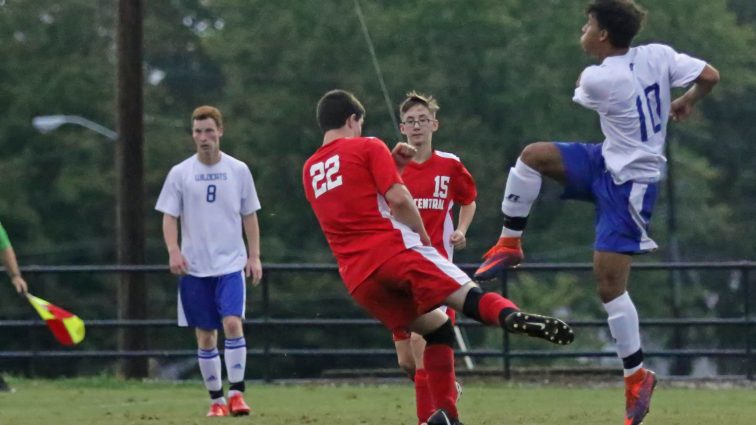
[237, 406]
[506, 253]
[217, 409]
[638, 390]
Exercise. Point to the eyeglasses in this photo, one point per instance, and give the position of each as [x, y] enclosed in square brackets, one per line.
[422, 122]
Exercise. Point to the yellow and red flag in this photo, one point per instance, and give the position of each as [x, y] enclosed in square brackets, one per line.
[67, 328]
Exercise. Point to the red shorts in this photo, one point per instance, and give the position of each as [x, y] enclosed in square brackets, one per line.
[409, 285]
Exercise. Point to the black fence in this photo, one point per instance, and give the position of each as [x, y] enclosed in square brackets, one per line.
[268, 325]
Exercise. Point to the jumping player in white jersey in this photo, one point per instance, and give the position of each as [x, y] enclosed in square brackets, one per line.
[630, 90]
[214, 195]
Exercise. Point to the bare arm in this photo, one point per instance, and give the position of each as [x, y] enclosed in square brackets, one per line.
[176, 260]
[14, 273]
[404, 209]
[252, 231]
[682, 107]
[466, 214]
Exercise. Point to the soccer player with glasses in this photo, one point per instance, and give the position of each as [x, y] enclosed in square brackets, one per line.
[630, 90]
[437, 181]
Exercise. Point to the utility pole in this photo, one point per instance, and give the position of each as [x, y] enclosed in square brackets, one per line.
[132, 291]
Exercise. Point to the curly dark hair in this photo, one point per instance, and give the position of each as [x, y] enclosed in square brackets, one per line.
[620, 18]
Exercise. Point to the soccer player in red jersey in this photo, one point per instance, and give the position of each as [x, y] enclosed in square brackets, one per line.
[437, 181]
[385, 255]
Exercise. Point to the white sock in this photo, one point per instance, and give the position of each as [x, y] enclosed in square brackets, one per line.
[523, 187]
[628, 372]
[624, 327]
[236, 359]
[210, 367]
[509, 233]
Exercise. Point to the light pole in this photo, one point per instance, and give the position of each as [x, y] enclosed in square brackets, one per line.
[48, 123]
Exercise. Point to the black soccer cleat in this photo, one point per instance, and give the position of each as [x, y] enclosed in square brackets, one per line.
[440, 417]
[549, 328]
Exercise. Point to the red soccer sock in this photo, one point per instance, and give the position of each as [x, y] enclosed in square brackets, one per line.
[439, 366]
[423, 397]
[491, 305]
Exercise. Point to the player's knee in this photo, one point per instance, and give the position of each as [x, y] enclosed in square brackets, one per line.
[443, 335]
[610, 284]
[416, 338]
[609, 291]
[472, 304]
[610, 277]
[538, 155]
[232, 327]
[206, 340]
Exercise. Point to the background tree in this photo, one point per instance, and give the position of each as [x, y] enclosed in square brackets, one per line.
[504, 73]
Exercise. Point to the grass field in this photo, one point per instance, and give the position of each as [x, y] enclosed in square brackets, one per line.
[113, 402]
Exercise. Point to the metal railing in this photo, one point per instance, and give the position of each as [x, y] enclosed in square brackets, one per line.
[505, 352]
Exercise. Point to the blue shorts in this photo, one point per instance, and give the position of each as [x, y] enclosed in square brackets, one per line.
[622, 211]
[203, 302]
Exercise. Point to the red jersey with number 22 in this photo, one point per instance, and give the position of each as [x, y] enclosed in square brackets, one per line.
[345, 182]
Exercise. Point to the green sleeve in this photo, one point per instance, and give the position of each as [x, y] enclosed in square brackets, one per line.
[4, 242]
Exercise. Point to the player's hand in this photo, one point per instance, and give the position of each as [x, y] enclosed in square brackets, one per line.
[20, 284]
[425, 239]
[680, 109]
[177, 263]
[458, 240]
[403, 154]
[254, 269]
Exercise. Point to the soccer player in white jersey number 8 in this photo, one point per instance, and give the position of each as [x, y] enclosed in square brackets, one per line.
[213, 194]
[630, 90]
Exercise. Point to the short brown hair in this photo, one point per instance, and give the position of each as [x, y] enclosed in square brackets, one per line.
[622, 19]
[415, 98]
[335, 107]
[206, 111]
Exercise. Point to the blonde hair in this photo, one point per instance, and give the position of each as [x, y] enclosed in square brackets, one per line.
[415, 98]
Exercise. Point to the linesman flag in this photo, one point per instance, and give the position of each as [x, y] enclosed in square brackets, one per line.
[67, 328]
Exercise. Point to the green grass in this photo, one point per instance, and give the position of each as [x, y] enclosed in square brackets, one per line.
[114, 402]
